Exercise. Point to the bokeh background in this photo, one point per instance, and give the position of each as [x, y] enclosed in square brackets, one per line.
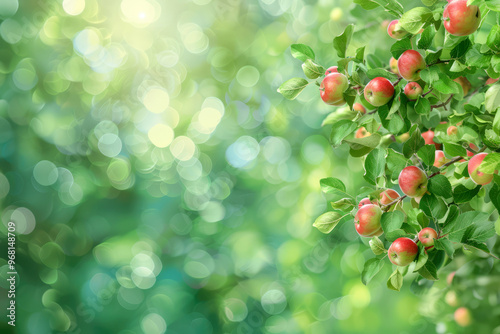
[159, 183]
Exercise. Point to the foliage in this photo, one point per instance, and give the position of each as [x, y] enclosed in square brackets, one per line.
[462, 212]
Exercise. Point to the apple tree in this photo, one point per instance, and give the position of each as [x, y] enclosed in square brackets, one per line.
[426, 123]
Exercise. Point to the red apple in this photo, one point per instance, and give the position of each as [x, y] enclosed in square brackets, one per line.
[460, 19]
[395, 30]
[367, 221]
[388, 196]
[332, 88]
[410, 63]
[379, 91]
[365, 201]
[462, 314]
[464, 83]
[330, 70]
[452, 130]
[429, 139]
[413, 90]
[403, 251]
[362, 133]
[491, 81]
[413, 181]
[473, 167]
[427, 236]
[440, 159]
[449, 278]
[359, 107]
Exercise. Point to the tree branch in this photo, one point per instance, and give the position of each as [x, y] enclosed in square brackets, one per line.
[424, 94]
[442, 104]
[397, 81]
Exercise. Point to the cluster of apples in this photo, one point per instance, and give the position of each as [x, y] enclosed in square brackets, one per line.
[462, 315]
[459, 19]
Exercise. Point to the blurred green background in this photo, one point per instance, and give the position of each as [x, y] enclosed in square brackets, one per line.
[158, 181]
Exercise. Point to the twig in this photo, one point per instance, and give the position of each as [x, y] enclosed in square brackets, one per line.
[424, 94]
[446, 165]
[466, 245]
[442, 104]
[397, 81]
[439, 61]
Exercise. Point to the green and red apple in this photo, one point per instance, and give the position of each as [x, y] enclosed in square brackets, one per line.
[367, 220]
[413, 181]
[379, 91]
[332, 89]
[359, 107]
[462, 314]
[427, 236]
[410, 63]
[413, 90]
[388, 196]
[460, 19]
[395, 30]
[473, 167]
[403, 251]
[429, 139]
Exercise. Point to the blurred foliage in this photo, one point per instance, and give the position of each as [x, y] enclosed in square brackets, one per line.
[158, 181]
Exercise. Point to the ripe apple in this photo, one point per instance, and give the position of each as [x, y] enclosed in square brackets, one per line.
[429, 139]
[474, 147]
[361, 133]
[491, 81]
[379, 91]
[365, 201]
[462, 314]
[359, 107]
[460, 19]
[367, 221]
[473, 166]
[403, 251]
[388, 196]
[413, 181]
[410, 63]
[332, 87]
[332, 69]
[393, 64]
[427, 236]
[464, 83]
[452, 130]
[413, 90]
[440, 159]
[395, 30]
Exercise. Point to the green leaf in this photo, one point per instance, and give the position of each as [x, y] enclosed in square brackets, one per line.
[396, 234]
[446, 245]
[366, 4]
[391, 6]
[426, 38]
[395, 163]
[430, 74]
[427, 154]
[452, 215]
[395, 281]
[413, 144]
[461, 49]
[334, 187]
[377, 246]
[414, 19]
[423, 106]
[392, 221]
[477, 245]
[339, 114]
[493, 40]
[439, 185]
[360, 53]
[290, 89]
[421, 259]
[455, 150]
[360, 143]
[476, 58]
[490, 163]
[302, 52]
[491, 139]
[312, 70]
[421, 286]
[344, 204]
[341, 42]
[380, 72]
[445, 85]
[340, 130]
[327, 221]
[433, 206]
[371, 268]
[456, 229]
[492, 98]
[429, 271]
[462, 194]
[400, 46]
[374, 165]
